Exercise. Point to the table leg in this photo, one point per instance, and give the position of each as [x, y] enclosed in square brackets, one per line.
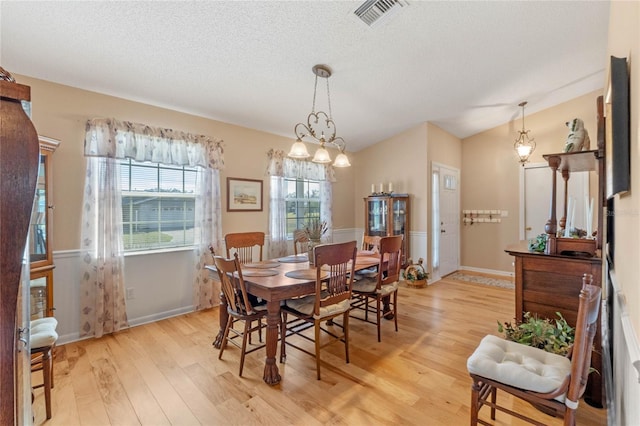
[271, 374]
[224, 317]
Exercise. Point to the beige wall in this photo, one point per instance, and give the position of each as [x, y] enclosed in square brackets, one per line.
[444, 148]
[402, 160]
[61, 112]
[491, 176]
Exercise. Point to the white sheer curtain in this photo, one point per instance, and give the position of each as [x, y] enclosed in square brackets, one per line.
[102, 300]
[103, 307]
[208, 232]
[279, 167]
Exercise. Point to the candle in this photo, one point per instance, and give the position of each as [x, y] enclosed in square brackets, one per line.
[573, 216]
[381, 188]
[390, 187]
[373, 188]
[567, 220]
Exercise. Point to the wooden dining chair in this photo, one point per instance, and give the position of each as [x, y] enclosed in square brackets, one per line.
[43, 338]
[334, 268]
[244, 243]
[300, 242]
[550, 382]
[384, 285]
[239, 307]
[371, 243]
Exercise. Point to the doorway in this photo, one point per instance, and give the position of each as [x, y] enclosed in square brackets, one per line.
[535, 198]
[445, 222]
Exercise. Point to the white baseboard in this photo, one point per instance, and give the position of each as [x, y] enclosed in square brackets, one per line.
[487, 271]
[75, 337]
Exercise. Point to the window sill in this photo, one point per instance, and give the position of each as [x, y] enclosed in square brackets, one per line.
[158, 251]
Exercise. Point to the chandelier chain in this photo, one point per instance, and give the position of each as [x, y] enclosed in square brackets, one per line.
[329, 100]
[315, 90]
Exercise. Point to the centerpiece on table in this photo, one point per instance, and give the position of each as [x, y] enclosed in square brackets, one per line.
[314, 230]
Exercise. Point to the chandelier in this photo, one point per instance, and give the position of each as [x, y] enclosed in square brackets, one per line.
[524, 145]
[319, 128]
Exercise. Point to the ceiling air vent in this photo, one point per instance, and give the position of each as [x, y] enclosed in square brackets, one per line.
[373, 12]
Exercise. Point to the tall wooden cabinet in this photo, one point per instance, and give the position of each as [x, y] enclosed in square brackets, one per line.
[386, 215]
[18, 174]
[40, 233]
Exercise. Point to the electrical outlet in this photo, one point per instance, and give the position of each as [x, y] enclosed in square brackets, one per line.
[131, 293]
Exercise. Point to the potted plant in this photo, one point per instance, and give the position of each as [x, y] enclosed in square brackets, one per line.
[415, 275]
[554, 336]
[314, 230]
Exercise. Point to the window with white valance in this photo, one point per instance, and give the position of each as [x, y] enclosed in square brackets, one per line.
[282, 170]
[107, 143]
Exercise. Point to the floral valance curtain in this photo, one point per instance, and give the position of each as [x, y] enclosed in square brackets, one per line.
[111, 138]
[282, 166]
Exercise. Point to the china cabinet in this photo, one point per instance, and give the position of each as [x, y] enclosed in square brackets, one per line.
[40, 232]
[388, 214]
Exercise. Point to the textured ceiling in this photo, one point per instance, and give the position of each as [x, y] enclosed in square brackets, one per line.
[463, 66]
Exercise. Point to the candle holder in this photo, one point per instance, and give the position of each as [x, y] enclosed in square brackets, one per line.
[382, 194]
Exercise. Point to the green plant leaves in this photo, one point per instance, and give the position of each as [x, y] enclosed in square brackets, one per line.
[554, 336]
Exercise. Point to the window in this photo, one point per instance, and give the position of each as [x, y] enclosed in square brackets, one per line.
[158, 205]
[303, 203]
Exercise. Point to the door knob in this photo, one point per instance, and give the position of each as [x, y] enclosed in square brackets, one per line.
[528, 228]
[442, 231]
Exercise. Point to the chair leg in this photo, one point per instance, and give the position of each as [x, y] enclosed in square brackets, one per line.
[366, 308]
[247, 327]
[317, 342]
[345, 324]
[494, 392]
[52, 356]
[46, 372]
[395, 308]
[260, 330]
[475, 404]
[378, 315]
[225, 337]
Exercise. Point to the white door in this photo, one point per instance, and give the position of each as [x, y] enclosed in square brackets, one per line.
[535, 201]
[445, 220]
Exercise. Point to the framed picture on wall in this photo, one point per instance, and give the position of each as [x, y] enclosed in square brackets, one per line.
[244, 195]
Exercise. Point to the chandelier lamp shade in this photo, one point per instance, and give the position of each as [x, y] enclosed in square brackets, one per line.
[524, 145]
[319, 128]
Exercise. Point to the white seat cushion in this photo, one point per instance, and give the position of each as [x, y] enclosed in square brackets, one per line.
[368, 285]
[518, 365]
[43, 336]
[46, 320]
[388, 288]
[305, 306]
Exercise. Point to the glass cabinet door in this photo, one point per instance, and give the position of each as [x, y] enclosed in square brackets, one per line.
[399, 216]
[389, 215]
[38, 241]
[40, 231]
[378, 214]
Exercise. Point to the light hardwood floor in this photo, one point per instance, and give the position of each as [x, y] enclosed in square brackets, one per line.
[169, 373]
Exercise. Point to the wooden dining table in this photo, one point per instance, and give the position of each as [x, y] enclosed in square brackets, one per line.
[276, 288]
